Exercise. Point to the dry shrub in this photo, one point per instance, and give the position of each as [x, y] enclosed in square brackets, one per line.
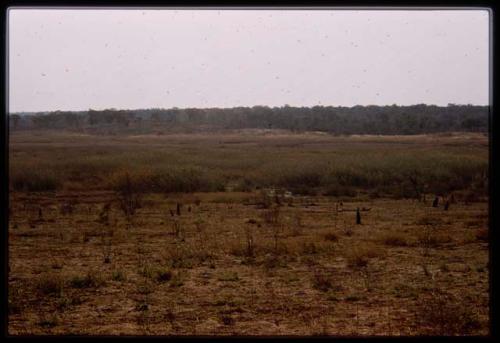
[331, 236]
[444, 315]
[50, 284]
[272, 216]
[395, 239]
[482, 235]
[90, 280]
[128, 190]
[322, 281]
[184, 255]
[429, 220]
[34, 180]
[431, 238]
[309, 248]
[360, 255]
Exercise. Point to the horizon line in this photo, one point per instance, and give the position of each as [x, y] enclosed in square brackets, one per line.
[233, 107]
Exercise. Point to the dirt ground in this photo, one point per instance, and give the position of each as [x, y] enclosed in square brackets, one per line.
[227, 266]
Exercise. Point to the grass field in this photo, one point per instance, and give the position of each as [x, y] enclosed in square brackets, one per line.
[177, 234]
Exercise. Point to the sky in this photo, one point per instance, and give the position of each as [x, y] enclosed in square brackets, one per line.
[129, 59]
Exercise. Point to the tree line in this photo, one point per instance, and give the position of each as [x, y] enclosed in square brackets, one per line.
[381, 120]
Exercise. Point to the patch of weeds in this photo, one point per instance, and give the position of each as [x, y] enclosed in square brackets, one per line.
[403, 290]
[50, 285]
[56, 265]
[321, 282]
[180, 256]
[66, 302]
[348, 232]
[145, 288]
[331, 236]
[332, 296]
[359, 256]
[118, 275]
[480, 269]
[430, 239]
[309, 248]
[482, 235]
[15, 304]
[142, 306]
[394, 239]
[228, 300]
[226, 319]
[429, 220]
[273, 261]
[229, 276]
[147, 271]
[177, 280]
[49, 321]
[308, 261]
[163, 275]
[444, 268]
[443, 315]
[354, 298]
[90, 280]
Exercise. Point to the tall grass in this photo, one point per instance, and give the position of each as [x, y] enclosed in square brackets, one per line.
[202, 164]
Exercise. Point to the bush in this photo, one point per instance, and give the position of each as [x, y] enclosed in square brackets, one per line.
[337, 190]
[163, 275]
[394, 239]
[90, 280]
[433, 239]
[174, 180]
[321, 282]
[50, 285]
[118, 275]
[331, 236]
[444, 316]
[32, 180]
[482, 235]
[359, 256]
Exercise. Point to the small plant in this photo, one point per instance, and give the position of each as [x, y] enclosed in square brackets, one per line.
[147, 271]
[347, 231]
[90, 280]
[56, 265]
[394, 239]
[176, 227]
[321, 282]
[163, 275]
[50, 285]
[177, 280]
[272, 216]
[229, 276]
[359, 256]
[331, 236]
[250, 243]
[226, 319]
[128, 194]
[118, 275]
[309, 248]
[441, 314]
[49, 321]
[482, 235]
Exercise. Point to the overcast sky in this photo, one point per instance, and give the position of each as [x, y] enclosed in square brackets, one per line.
[81, 59]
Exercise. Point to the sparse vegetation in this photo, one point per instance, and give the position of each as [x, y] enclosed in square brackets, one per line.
[50, 284]
[263, 244]
[443, 315]
[89, 280]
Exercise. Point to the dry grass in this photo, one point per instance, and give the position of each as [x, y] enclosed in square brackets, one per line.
[232, 266]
